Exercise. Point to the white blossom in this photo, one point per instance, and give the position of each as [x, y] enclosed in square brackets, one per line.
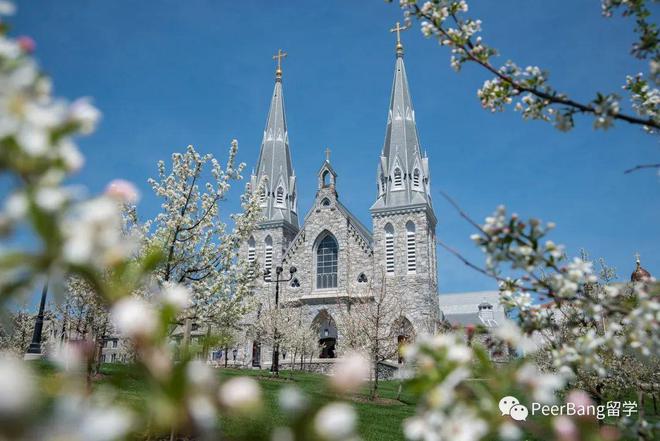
[241, 394]
[123, 191]
[335, 421]
[291, 400]
[176, 295]
[85, 114]
[351, 371]
[133, 317]
[17, 386]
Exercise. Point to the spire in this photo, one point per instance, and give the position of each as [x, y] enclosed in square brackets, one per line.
[403, 173]
[274, 168]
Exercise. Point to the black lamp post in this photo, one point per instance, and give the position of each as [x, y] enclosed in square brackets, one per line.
[34, 350]
[275, 365]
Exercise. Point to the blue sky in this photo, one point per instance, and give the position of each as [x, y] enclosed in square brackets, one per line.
[169, 73]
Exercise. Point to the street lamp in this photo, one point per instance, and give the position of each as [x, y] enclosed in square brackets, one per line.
[275, 365]
[34, 350]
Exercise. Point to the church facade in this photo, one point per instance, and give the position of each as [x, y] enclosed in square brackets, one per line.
[338, 259]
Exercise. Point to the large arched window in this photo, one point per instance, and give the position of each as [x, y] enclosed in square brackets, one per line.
[411, 247]
[326, 263]
[389, 248]
[268, 253]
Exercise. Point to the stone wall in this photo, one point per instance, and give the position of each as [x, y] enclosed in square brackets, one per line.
[418, 290]
[354, 257]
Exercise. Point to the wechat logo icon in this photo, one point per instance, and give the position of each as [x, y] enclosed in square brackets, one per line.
[512, 407]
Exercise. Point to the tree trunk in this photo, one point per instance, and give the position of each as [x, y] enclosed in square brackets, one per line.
[374, 390]
[99, 351]
[187, 327]
[205, 350]
[226, 355]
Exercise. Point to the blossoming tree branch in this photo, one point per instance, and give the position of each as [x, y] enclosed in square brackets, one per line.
[528, 89]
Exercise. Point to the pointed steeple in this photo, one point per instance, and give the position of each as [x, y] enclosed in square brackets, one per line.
[403, 172]
[274, 168]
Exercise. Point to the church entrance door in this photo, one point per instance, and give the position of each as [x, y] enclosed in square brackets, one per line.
[327, 334]
[328, 347]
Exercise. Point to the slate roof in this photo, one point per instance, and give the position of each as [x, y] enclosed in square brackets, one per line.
[463, 308]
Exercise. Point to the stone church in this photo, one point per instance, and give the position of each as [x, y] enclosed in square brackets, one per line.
[337, 257]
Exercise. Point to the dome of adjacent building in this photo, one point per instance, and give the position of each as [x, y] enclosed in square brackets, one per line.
[640, 274]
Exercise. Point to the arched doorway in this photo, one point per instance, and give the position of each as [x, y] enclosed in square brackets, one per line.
[327, 334]
[405, 333]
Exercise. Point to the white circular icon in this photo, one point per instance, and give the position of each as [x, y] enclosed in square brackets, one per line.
[507, 403]
[519, 412]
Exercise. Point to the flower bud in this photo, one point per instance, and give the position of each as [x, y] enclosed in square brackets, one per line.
[123, 191]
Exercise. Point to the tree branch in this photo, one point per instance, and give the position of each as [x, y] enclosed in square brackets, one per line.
[640, 167]
[467, 49]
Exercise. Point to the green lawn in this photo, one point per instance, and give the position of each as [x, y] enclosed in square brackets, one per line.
[376, 421]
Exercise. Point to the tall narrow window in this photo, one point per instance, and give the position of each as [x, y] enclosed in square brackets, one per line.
[416, 178]
[279, 197]
[252, 253]
[389, 248]
[411, 247]
[268, 254]
[398, 181]
[326, 263]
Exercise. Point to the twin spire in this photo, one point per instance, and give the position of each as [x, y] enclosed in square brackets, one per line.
[403, 173]
[275, 178]
[403, 177]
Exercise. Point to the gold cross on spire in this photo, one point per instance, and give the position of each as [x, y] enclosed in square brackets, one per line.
[398, 29]
[327, 154]
[280, 54]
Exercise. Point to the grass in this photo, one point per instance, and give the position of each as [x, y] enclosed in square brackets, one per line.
[377, 421]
